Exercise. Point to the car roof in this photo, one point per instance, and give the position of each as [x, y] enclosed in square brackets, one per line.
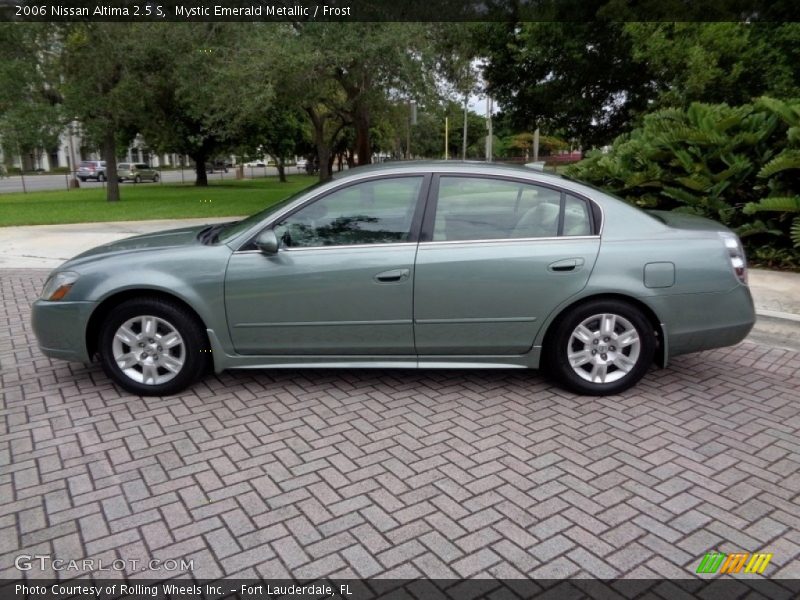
[466, 166]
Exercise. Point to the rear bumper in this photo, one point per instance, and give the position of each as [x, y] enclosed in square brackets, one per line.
[695, 322]
[60, 328]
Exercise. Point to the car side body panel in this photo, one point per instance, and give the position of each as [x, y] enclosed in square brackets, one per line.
[324, 300]
[702, 305]
[491, 297]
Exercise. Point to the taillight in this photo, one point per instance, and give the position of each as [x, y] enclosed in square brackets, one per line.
[736, 255]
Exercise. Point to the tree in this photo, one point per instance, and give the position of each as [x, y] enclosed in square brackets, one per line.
[594, 80]
[521, 143]
[277, 131]
[718, 62]
[31, 115]
[343, 74]
[106, 95]
[577, 77]
[199, 103]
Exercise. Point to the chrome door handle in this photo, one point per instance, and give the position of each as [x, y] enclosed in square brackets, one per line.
[568, 264]
[393, 276]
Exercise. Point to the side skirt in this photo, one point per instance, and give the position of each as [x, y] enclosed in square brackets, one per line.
[223, 360]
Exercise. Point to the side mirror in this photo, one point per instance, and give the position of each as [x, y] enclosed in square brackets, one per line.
[267, 242]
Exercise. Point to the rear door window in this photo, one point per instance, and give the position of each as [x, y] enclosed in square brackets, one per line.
[476, 208]
[577, 220]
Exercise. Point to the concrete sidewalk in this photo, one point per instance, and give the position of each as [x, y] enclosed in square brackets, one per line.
[776, 294]
[47, 246]
[777, 298]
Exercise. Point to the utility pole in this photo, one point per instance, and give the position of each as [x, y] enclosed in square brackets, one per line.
[21, 168]
[489, 129]
[464, 141]
[445, 138]
[412, 120]
[73, 183]
[408, 136]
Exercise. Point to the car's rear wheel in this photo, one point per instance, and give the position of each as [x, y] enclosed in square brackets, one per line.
[155, 178]
[101, 177]
[153, 347]
[601, 347]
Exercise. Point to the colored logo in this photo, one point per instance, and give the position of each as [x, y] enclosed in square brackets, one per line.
[718, 562]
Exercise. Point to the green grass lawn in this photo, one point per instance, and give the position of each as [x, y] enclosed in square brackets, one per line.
[148, 201]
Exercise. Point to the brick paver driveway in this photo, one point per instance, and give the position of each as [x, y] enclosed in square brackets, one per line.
[399, 473]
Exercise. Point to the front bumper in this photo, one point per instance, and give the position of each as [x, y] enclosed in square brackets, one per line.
[60, 328]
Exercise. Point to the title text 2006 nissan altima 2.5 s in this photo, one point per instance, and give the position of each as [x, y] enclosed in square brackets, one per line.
[430, 265]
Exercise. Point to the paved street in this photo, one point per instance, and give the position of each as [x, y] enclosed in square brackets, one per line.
[399, 473]
[35, 183]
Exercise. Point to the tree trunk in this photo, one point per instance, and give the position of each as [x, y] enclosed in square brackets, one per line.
[110, 156]
[324, 159]
[281, 170]
[200, 169]
[363, 145]
[323, 148]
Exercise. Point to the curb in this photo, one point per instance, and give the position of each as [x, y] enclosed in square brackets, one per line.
[777, 329]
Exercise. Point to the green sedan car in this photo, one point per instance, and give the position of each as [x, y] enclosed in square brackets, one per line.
[412, 265]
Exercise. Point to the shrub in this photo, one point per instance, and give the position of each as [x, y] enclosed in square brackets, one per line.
[732, 164]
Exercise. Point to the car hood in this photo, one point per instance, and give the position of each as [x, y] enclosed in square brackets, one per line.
[138, 243]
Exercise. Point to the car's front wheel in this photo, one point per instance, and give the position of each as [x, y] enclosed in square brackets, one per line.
[153, 347]
[137, 179]
[601, 347]
[155, 178]
[101, 177]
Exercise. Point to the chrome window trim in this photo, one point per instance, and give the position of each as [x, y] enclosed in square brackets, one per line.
[533, 177]
[347, 246]
[563, 238]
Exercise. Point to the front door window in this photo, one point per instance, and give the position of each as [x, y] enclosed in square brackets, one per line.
[372, 212]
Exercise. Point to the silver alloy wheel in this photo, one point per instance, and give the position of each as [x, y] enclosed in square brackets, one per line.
[148, 350]
[604, 348]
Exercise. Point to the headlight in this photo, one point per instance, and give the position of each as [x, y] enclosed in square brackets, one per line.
[57, 286]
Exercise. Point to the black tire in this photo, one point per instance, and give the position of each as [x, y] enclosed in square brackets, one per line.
[196, 355]
[101, 177]
[137, 179]
[561, 343]
[155, 178]
[83, 179]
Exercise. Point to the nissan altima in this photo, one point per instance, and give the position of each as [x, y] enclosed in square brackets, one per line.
[412, 265]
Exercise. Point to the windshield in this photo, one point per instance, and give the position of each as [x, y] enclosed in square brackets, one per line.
[231, 230]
